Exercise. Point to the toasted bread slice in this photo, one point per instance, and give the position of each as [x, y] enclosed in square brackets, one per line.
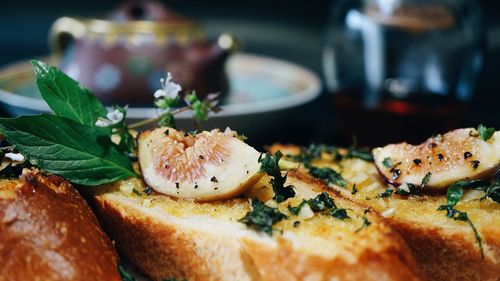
[48, 232]
[178, 238]
[446, 249]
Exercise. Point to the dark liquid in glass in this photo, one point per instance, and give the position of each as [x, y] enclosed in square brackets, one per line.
[395, 120]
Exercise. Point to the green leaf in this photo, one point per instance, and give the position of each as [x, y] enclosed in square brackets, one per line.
[454, 194]
[484, 132]
[66, 97]
[82, 154]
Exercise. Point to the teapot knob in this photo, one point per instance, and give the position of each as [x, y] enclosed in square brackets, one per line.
[63, 31]
[228, 42]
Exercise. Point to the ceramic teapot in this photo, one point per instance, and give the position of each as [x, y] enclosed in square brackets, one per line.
[123, 56]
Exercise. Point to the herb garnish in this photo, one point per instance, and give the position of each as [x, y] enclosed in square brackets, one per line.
[314, 151]
[426, 179]
[322, 202]
[354, 189]
[269, 164]
[365, 224]
[484, 132]
[387, 162]
[386, 193]
[262, 217]
[328, 175]
[412, 190]
[339, 213]
[75, 143]
[453, 196]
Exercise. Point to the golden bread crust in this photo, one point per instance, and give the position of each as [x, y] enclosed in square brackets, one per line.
[48, 232]
[444, 249]
[162, 245]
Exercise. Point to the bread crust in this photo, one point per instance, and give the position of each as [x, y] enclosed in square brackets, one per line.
[287, 264]
[162, 248]
[48, 232]
[442, 253]
[446, 256]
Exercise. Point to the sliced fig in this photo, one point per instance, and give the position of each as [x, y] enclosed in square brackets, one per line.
[441, 160]
[204, 166]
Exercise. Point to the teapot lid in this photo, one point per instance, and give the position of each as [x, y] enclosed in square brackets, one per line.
[144, 10]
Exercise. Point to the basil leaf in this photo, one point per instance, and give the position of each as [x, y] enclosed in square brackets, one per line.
[484, 132]
[66, 97]
[454, 194]
[82, 154]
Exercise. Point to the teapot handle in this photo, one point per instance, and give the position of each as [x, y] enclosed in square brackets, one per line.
[64, 30]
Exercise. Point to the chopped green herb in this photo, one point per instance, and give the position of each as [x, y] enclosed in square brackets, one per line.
[412, 190]
[354, 189]
[136, 192]
[314, 151]
[262, 217]
[462, 216]
[269, 164]
[387, 162]
[296, 210]
[491, 190]
[339, 213]
[328, 175]
[386, 193]
[365, 224]
[425, 179]
[484, 132]
[321, 202]
[361, 154]
[453, 196]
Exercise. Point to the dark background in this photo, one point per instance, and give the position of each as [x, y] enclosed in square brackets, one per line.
[293, 30]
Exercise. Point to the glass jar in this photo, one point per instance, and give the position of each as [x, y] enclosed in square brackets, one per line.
[402, 69]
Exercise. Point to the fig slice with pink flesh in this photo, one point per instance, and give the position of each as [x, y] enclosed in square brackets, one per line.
[205, 166]
[457, 155]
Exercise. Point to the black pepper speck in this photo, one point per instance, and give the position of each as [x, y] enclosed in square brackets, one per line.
[440, 157]
[148, 190]
[467, 154]
[417, 161]
[475, 164]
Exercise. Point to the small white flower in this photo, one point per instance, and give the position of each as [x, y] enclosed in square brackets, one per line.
[169, 89]
[14, 156]
[112, 118]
